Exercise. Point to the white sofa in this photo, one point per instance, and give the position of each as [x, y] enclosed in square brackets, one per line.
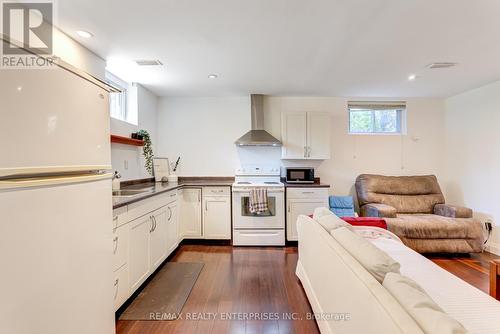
[346, 298]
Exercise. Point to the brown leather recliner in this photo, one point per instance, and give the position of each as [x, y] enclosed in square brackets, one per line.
[415, 210]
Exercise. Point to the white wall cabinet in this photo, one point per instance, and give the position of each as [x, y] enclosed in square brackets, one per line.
[190, 213]
[217, 213]
[305, 135]
[302, 201]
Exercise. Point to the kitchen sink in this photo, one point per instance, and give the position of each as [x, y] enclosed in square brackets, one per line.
[128, 193]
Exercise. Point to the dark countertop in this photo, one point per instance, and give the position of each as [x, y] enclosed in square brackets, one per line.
[306, 185]
[155, 188]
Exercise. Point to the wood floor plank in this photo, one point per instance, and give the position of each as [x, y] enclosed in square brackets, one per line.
[261, 280]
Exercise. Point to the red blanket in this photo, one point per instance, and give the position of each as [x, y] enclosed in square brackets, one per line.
[366, 221]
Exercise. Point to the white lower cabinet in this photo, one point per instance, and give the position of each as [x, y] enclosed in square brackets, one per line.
[159, 236]
[172, 228]
[120, 246]
[139, 251]
[217, 213]
[190, 213]
[302, 201]
[121, 286]
[217, 217]
[145, 233]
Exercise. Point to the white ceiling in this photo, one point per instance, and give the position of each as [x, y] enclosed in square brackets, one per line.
[294, 47]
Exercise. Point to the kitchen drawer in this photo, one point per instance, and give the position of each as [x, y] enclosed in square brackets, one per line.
[307, 192]
[119, 216]
[259, 237]
[216, 191]
[141, 208]
[120, 246]
[120, 286]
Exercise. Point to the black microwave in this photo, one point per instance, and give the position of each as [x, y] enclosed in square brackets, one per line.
[300, 175]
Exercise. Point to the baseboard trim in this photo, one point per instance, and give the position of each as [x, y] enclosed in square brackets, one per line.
[493, 248]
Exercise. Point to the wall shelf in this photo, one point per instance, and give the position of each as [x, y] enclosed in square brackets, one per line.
[126, 140]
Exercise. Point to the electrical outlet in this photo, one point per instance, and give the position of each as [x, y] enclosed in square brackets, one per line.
[488, 225]
[125, 164]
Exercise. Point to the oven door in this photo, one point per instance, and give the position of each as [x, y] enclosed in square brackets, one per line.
[272, 218]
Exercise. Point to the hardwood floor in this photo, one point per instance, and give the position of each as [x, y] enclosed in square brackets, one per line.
[261, 281]
[474, 268]
[242, 280]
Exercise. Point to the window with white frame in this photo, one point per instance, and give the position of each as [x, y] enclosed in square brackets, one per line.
[376, 117]
[118, 101]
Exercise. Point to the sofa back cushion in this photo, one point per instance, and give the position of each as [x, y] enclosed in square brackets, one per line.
[373, 259]
[407, 194]
[329, 220]
[430, 317]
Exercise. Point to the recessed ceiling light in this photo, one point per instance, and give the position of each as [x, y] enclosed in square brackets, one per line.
[84, 34]
[412, 77]
[213, 76]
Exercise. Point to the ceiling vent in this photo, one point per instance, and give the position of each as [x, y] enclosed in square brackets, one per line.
[441, 65]
[145, 62]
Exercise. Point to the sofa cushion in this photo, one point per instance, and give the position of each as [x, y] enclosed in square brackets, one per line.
[430, 317]
[407, 194]
[444, 245]
[374, 260]
[428, 226]
[328, 220]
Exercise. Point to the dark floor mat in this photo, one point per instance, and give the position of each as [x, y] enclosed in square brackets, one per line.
[164, 297]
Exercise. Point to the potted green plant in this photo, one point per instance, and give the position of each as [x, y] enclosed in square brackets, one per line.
[147, 151]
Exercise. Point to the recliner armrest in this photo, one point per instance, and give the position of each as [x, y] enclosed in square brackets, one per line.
[452, 211]
[378, 210]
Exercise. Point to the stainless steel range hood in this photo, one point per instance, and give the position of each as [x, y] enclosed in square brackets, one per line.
[257, 136]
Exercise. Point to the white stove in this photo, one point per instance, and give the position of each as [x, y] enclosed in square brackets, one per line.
[266, 228]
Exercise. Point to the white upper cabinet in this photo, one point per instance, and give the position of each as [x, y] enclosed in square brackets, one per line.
[293, 135]
[318, 135]
[305, 135]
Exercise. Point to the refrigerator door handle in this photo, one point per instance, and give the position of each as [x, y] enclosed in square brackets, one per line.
[51, 180]
[50, 170]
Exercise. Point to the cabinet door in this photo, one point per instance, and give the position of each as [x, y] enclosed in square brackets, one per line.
[121, 286]
[172, 228]
[296, 207]
[217, 217]
[159, 235]
[293, 135]
[120, 246]
[139, 250]
[190, 214]
[318, 135]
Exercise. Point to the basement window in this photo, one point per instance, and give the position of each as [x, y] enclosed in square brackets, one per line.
[119, 106]
[377, 118]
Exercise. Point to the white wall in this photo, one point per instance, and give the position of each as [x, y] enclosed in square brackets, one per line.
[202, 132]
[472, 162]
[128, 160]
[77, 55]
[418, 152]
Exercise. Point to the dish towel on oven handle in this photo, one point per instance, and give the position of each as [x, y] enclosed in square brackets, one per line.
[257, 201]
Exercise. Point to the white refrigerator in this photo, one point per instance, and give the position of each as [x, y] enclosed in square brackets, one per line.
[55, 203]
